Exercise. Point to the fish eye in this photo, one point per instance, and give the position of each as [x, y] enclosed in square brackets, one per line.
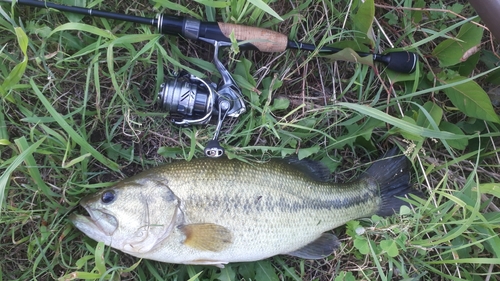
[108, 197]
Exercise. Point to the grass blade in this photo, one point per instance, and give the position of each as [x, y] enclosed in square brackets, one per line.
[264, 7]
[399, 123]
[71, 132]
[4, 178]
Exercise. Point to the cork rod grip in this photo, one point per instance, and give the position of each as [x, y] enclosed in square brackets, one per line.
[263, 39]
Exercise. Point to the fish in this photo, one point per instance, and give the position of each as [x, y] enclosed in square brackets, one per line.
[218, 211]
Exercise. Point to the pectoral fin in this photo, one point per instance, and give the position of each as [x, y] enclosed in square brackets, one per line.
[319, 248]
[207, 236]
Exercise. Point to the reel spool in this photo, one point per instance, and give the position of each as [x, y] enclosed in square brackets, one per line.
[189, 99]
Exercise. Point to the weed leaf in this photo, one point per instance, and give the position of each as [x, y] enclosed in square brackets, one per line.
[100, 263]
[71, 132]
[265, 271]
[214, 4]
[176, 7]
[72, 17]
[289, 271]
[4, 134]
[362, 245]
[195, 277]
[22, 39]
[17, 72]
[390, 247]
[399, 123]
[452, 51]
[280, 104]
[395, 76]
[81, 27]
[33, 169]
[80, 275]
[406, 134]
[349, 54]
[247, 271]
[264, 7]
[490, 188]
[452, 128]
[432, 116]
[306, 152]
[5, 177]
[471, 99]
[345, 276]
[75, 161]
[226, 274]
[363, 19]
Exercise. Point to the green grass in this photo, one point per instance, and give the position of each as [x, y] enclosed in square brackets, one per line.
[77, 114]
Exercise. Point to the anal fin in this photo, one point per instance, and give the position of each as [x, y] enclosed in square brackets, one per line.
[320, 248]
[207, 236]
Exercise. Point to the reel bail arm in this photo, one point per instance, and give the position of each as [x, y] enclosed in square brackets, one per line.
[230, 100]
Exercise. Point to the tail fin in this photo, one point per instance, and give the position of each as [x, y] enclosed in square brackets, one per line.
[392, 173]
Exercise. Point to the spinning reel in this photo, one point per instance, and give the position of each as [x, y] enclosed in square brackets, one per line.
[193, 101]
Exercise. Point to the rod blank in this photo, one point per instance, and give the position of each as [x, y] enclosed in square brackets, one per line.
[260, 39]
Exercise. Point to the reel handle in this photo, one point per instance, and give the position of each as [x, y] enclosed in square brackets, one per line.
[213, 148]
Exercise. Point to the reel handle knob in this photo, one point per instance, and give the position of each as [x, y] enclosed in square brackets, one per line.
[213, 149]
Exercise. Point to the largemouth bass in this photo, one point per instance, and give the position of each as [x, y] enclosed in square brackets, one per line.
[217, 211]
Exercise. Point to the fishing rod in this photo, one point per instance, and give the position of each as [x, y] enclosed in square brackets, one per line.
[191, 100]
[260, 39]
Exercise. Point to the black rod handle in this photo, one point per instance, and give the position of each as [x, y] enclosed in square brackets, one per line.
[401, 61]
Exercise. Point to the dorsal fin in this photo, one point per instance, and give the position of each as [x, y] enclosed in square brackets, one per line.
[313, 169]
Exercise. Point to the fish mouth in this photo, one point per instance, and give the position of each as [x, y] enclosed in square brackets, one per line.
[97, 224]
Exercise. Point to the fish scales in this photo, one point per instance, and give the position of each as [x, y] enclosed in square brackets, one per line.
[224, 211]
[271, 201]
